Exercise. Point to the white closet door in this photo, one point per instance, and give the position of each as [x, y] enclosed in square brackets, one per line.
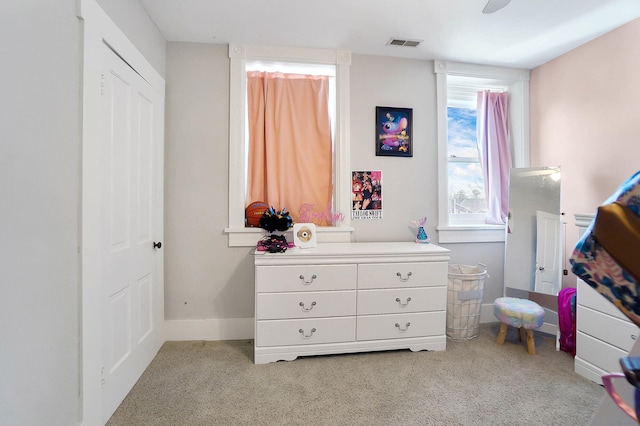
[132, 287]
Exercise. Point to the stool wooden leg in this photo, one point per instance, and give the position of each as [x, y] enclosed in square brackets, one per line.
[502, 334]
[531, 344]
[520, 334]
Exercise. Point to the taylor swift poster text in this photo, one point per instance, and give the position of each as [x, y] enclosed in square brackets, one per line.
[366, 195]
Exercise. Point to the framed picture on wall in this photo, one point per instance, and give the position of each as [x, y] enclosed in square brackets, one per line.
[393, 131]
[366, 194]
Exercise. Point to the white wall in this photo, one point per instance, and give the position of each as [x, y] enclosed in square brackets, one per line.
[39, 199]
[584, 118]
[133, 20]
[408, 184]
[206, 280]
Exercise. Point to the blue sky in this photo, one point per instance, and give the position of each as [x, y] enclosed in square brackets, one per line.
[462, 143]
[462, 132]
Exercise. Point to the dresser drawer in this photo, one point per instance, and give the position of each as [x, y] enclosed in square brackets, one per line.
[589, 297]
[617, 332]
[305, 278]
[402, 300]
[599, 353]
[305, 331]
[310, 304]
[390, 275]
[398, 326]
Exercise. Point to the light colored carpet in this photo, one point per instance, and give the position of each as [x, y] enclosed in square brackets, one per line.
[475, 382]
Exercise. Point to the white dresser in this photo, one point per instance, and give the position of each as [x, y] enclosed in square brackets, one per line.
[603, 336]
[350, 297]
[603, 333]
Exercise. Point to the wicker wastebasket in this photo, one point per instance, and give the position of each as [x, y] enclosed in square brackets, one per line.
[464, 300]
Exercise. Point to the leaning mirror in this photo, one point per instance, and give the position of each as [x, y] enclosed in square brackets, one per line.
[533, 257]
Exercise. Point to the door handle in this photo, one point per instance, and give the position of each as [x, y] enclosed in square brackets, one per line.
[157, 244]
[541, 268]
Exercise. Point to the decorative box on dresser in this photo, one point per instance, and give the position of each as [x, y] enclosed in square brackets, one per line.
[603, 333]
[350, 297]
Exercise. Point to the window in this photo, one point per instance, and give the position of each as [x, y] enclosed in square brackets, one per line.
[291, 109]
[245, 57]
[462, 207]
[465, 194]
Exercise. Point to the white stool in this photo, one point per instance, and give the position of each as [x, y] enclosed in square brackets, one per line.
[519, 313]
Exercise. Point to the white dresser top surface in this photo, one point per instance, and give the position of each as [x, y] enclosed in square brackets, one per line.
[368, 250]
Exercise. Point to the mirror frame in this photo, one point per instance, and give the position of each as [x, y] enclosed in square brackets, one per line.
[533, 189]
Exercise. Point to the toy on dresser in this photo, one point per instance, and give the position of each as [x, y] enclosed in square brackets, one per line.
[421, 236]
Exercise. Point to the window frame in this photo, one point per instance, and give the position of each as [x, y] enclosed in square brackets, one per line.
[239, 55]
[517, 82]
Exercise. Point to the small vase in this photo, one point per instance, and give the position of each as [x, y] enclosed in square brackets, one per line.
[422, 237]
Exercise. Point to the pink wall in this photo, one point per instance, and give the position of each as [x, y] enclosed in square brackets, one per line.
[585, 117]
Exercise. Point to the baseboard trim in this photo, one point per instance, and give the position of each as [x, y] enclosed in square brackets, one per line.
[588, 370]
[486, 313]
[209, 329]
[548, 328]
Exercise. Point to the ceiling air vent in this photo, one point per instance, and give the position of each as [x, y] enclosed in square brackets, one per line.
[401, 42]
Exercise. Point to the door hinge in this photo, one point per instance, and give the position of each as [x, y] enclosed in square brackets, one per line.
[102, 381]
[102, 84]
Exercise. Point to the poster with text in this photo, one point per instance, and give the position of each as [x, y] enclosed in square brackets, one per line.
[366, 194]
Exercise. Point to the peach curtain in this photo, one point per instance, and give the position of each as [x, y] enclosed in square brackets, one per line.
[290, 152]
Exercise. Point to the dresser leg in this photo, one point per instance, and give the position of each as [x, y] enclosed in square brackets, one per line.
[502, 334]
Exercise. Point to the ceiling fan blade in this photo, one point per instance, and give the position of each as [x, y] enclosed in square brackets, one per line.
[495, 5]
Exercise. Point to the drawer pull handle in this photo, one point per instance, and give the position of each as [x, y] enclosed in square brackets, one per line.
[403, 304]
[306, 336]
[634, 337]
[398, 274]
[406, 327]
[307, 309]
[304, 281]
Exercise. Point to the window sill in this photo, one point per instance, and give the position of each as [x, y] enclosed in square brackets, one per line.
[249, 237]
[471, 234]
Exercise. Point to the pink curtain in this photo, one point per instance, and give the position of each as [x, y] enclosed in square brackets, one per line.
[290, 152]
[494, 152]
